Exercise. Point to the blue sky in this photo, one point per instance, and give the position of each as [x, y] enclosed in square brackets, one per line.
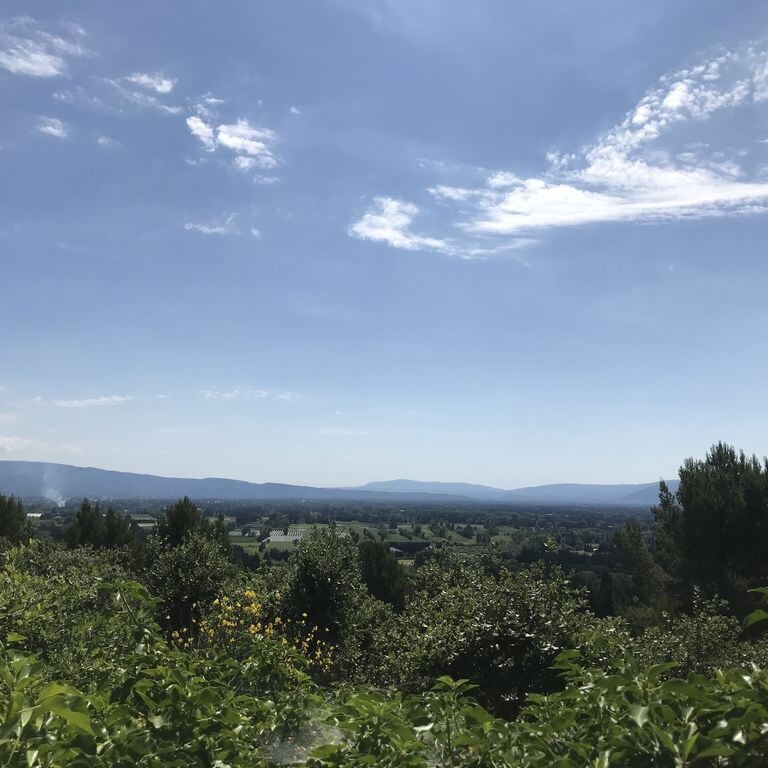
[330, 242]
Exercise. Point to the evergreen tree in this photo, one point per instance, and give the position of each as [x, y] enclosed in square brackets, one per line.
[117, 532]
[714, 531]
[13, 520]
[87, 529]
[180, 520]
[382, 574]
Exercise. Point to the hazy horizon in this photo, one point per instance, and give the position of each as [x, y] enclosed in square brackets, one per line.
[339, 242]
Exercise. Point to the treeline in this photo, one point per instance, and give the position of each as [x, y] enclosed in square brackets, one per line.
[169, 652]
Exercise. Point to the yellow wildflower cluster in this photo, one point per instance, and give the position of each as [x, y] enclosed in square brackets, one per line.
[182, 637]
[235, 623]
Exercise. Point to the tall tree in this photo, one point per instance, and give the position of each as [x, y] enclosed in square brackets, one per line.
[714, 531]
[13, 520]
[117, 532]
[87, 529]
[382, 574]
[180, 520]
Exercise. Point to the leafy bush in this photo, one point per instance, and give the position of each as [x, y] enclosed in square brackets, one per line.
[78, 610]
[502, 633]
[187, 575]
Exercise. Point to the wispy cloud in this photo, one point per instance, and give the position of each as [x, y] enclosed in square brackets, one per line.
[633, 172]
[245, 393]
[622, 177]
[157, 82]
[52, 126]
[202, 131]
[206, 105]
[13, 443]
[28, 49]
[253, 146]
[222, 226]
[140, 90]
[344, 432]
[389, 221]
[89, 402]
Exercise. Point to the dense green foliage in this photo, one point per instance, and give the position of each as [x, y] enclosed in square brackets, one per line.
[13, 521]
[714, 531]
[127, 649]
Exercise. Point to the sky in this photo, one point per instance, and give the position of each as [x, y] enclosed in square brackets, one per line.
[348, 240]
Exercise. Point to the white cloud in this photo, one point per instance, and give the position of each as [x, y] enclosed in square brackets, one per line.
[202, 131]
[133, 90]
[245, 393]
[246, 139]
[244, 163]
[104, 400]
[456, 194]
[52, 126]
[27, 49]
[266, 180]
[157, 83]
[206, 229]
[224, 226]
[634, 172]
[622, 178]
[502, 179]
[13, 443]
[389, 221]
[295, 111]
[253, 146]
[206, 105]
[256, 233]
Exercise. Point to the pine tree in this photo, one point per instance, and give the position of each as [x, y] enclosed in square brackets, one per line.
[13, 520]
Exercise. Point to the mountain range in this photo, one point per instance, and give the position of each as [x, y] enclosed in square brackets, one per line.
[58, 482]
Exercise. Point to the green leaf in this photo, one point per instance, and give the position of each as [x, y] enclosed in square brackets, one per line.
[325, 751]
[639, 714]
[79, 720]
[755, 616]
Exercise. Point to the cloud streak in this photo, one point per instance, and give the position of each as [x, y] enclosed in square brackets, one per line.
[157, 82]
[225, 226]
[389, 221]
[632, 173]
[252, 146]
[91, 402]
[245, 394]
[52, 126]
[28, 50]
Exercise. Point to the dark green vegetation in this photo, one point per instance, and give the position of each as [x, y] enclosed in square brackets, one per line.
[515, 639]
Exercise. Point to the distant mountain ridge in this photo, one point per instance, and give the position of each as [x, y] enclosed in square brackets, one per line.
[57, 482]
[631, 494]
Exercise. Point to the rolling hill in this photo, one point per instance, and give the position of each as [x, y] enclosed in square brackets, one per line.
[32, 479]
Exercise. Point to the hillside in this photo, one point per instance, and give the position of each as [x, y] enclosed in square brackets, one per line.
[60, 481]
